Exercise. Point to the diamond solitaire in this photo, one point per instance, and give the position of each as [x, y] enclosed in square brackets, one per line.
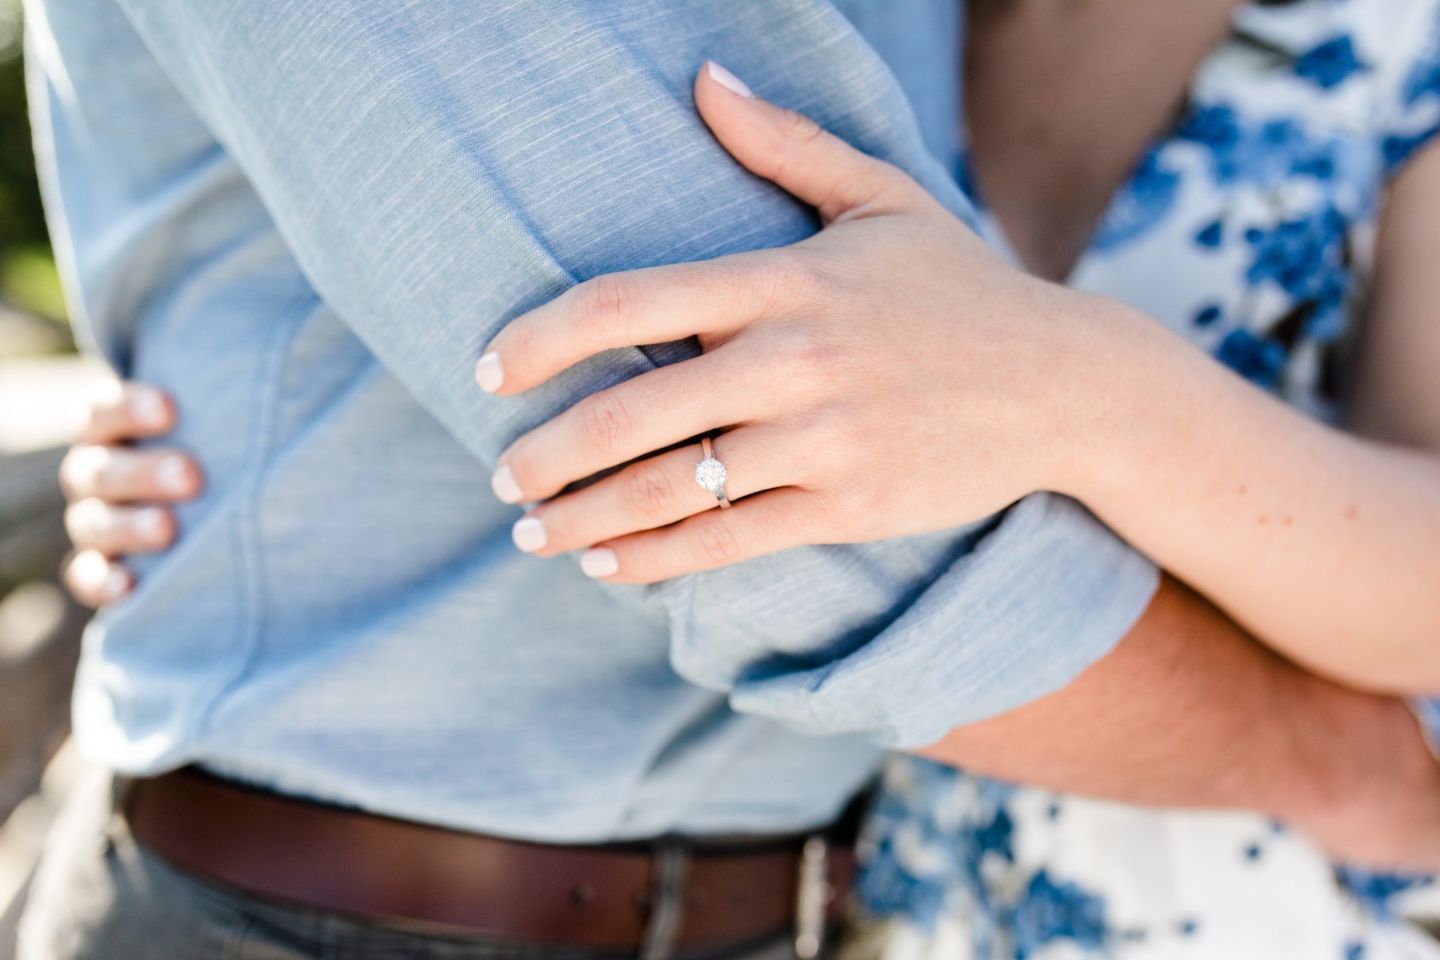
[710, 473]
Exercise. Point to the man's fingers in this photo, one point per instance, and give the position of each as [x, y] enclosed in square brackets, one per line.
[127, 411]
[767, 522]
[653, 305]
[119, 474]
[793, 151]
[629, 420]
[654, 492]
[95, 580]
[96, 525]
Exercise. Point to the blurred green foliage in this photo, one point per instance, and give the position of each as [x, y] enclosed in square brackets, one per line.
[29, 280]
[27, 267]
[21, 219]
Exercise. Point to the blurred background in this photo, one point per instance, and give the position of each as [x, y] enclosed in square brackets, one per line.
[43, 386]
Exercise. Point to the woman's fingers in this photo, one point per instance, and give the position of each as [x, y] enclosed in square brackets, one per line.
[127, 411]
[722, 300]
[767, 522]
[793, 151]
[96, 525]
[121, 475]
[95, 580]
[653, 305]
[718, 296]
[655, 492]
[629, 420]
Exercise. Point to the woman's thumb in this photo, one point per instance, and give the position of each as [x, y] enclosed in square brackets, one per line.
[791, 149]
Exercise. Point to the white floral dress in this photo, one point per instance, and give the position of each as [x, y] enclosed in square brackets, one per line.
[1248, 229]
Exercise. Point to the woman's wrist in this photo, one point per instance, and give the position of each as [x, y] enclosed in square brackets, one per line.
[1122, 408]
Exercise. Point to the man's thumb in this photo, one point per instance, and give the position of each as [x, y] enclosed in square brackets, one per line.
[792, 150]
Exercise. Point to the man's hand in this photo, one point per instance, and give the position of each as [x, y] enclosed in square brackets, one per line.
[119, 495]
[1188, 711]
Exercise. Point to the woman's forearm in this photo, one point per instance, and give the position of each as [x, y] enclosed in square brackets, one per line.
[890, 376]
[1324, 545]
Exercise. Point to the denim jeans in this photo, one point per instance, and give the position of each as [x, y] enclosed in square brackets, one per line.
[99, 896]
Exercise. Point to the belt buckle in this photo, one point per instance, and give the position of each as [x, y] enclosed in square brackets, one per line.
[812, 896]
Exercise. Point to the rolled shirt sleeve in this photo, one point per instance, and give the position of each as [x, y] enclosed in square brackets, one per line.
[438, 169]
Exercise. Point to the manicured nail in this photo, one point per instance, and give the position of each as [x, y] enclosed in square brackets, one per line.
[728, 80]
[502, 481]
[172, 475]
[149, 523]
[489, 373]
[105, 392]
[599, 562]
[148, 407]
[117, 582]
[528, 534]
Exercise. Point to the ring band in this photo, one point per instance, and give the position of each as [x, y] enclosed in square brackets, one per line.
[710, 474]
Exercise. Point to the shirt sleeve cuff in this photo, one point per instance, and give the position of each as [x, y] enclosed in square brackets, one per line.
[1041, 597]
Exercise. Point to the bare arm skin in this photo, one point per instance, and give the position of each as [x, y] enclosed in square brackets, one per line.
[1324, 544]
[1031, 387]
[1187, 711]
[1190, 712]
[890, 376]
[1227, 722]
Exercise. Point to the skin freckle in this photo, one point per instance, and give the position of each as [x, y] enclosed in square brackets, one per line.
[1351, 511]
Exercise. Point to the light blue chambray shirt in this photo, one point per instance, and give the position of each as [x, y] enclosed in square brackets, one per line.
[305, 219]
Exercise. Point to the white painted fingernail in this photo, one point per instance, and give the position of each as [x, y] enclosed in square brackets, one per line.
[149, 524]
[489, 373]
[528, 534]
[148, 407]
[728, 80]
[502, 481]
[82, 467]
[117, 582]
[172, 475]
[105, 392]
[599, 562]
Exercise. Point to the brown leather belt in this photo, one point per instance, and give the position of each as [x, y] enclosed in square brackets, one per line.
[718, 894]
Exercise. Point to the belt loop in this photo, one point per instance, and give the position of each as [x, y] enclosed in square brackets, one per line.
[812, 896]
[667, 901]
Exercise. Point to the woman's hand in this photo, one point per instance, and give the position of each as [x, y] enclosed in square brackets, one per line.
[117, 494]
[888, 376]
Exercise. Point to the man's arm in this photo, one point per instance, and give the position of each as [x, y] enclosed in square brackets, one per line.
[1188, 711]
[438, 169]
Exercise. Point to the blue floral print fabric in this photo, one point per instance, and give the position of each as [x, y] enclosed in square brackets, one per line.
[961, 867]
[1249, 230]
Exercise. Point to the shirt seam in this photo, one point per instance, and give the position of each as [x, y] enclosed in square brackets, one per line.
[247, 549]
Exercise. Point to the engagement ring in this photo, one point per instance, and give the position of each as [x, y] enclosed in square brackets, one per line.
[710, 474]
